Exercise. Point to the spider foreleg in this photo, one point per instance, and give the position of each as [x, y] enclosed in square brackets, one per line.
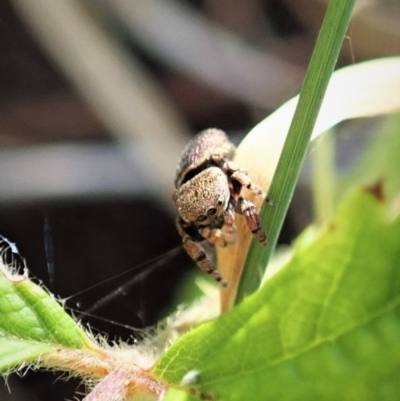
[249, 211]
[229, 227]
[198, 254]
[245, 181]
[213, 236]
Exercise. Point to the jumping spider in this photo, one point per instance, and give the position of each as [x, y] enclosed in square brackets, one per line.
[207, 196]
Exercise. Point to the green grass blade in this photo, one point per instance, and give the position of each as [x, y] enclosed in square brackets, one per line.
[321, 66]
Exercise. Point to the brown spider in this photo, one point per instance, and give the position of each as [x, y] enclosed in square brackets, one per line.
[207, 196]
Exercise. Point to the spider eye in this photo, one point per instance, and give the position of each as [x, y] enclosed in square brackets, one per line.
[220, 202]
[202, 217]
[211, 211]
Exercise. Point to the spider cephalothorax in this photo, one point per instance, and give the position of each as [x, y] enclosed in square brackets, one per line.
[208, 194]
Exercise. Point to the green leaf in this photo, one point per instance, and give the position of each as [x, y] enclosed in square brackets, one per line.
[32, 322]
[178, 395]
[15, 352]
[326, 326]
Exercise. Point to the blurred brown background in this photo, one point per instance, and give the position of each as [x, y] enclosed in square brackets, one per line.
[98, 100]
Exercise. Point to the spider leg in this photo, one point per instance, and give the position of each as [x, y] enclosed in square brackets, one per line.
[240, 178]
[213, 236]
[226, 234]
[249, 211]
[229, 227]
[244, 180]
[237, 180]
[196, 252]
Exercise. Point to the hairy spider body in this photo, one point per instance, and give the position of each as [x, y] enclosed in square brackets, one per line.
[207, 196]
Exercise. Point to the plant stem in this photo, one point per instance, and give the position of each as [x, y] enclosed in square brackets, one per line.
[321, 66]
